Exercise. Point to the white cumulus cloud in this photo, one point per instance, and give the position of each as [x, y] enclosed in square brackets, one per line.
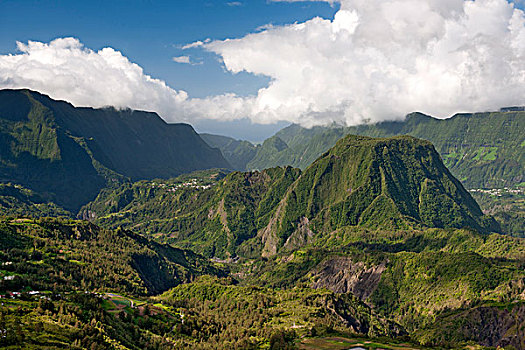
[185, 60]
[375, 60]
[380, 59]
[182, 59]
[64, 69]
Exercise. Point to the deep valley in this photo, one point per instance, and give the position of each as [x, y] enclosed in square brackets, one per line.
[395, 235]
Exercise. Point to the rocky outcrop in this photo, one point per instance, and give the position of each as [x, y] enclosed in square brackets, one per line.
[301, 236]
[342, 275]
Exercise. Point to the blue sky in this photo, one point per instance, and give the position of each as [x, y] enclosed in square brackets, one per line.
[151, 33]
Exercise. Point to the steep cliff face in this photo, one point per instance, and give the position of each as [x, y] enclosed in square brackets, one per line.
[394, 183]
[343, 275]
[68, 154]
[377, 184]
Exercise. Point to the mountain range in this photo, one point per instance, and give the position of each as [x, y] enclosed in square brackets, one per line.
[370, 241]
[398, 183]
[483, 150]
[69, 154]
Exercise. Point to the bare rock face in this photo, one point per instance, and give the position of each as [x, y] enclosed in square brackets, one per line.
[342, 275]
[301, 236]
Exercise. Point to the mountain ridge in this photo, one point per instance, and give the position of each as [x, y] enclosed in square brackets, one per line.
[387, 184]
[376, 236]
[43, 140]
[483, 150]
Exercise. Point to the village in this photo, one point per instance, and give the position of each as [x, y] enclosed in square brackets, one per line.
[499, 192]
[193, 183]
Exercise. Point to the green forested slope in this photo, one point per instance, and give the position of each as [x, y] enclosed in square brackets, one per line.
[254, 314]
[506, 205]
[428, 282]
[60, 255]
[59, 279]
[379, 184]
[376, 237]
[483, 150]
[381, 219]
[303, 147]
[83, 320]
[213, 221]
[17, 201]
[441, 287]
[69, 154]
[237, 153]
[376, 183]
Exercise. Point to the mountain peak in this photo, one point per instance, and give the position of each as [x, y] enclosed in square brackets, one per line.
[378, 183]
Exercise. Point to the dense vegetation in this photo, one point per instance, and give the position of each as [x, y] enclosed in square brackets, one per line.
[82, 321]
[436, 285]
[394, 183]
[61, 259]
[415, 278]
[397, 183]
[63, 255]
[207, 314]
[139, 202]
[213, 221]
[375, 244]
[379, 221]
[506, 205]
[17, 201]
[69, 154]
[483, 150]
[215, 312]
[237, 153]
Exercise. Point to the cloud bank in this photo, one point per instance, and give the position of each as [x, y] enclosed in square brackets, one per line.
[65, 70]
[375, 60]
[380, 59]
